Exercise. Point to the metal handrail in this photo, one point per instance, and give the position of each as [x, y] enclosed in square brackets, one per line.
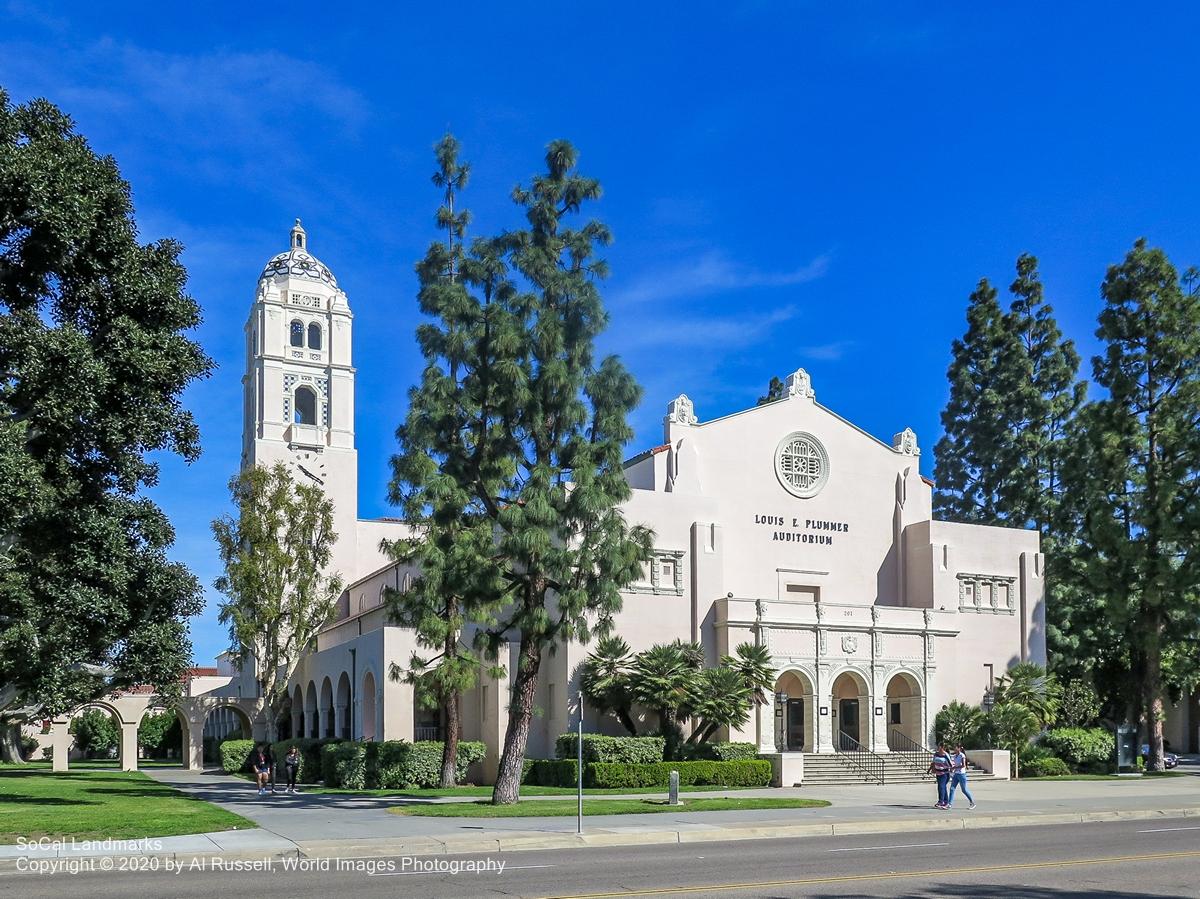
[858, 756]
[912, 753]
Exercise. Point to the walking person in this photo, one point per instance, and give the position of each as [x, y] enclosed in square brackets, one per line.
[958, 777]
[291, 767]
[264, 766]
[940, 768]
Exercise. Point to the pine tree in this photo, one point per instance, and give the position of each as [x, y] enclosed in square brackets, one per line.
[449, 529]
[1134, 470]
[527, 434]
[973, 458]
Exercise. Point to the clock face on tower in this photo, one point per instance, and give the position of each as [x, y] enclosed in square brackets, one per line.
[307, 466]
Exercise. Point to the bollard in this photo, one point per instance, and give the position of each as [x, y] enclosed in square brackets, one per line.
[674, 789]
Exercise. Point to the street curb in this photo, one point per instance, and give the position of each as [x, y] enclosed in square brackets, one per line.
[519, 842]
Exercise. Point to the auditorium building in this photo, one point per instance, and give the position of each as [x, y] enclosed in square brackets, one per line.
[782, 524]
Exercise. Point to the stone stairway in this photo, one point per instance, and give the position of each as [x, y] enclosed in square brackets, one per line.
[834, 768]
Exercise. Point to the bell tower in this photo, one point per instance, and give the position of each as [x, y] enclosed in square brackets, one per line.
[298, 389]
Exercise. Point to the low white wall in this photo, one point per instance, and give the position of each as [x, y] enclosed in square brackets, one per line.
[787, 768]
[997, 762]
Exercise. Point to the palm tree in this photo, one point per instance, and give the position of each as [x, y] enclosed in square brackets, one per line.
[663, 679]
[1034, 687]
[958, 723]
[605, 679]
[753, 663]
[1013, 725]
[721, 697]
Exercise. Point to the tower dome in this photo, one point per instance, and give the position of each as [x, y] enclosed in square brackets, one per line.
[297, 262]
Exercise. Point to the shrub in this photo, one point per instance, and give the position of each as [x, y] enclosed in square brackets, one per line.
[1080, 705]
[959, 723]
[235, 755]
[719, 752]
[344, 765]
[745, 773]
[1045, 767]
[29, 745]
[599, 748]
[552, 773]
[310, 757]
[95, 733]
[1080, 747]
[400, 765]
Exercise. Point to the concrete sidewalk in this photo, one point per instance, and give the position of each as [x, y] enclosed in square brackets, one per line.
[321, 825]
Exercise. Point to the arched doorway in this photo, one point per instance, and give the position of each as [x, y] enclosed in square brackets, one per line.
[794, 718]
[310, 711]
[368, 706]
[343, 706]
[851, 711]
[225, 722]
[298, 719]
[326, 712]
[903, 711]
[163, 736]
[96, 730]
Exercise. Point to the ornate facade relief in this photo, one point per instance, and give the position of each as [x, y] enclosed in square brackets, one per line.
[681, 411]
[987, 593]
[905, 443]
[799, 383]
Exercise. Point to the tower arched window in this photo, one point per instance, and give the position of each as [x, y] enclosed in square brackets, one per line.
[298, 333]
[314, 336]
[306, 406]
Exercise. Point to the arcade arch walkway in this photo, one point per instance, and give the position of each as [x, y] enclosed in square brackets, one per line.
[129, 708]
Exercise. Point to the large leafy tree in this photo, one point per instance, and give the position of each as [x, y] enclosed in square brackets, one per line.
[94, 358]
[527, 432]
[278, 590]
[1134, 472]
[449, 528]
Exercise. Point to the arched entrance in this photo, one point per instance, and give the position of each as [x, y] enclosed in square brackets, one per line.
[368, 706]
[310, 711]
[298, 719]
[903, 708]
[851, 711]
[794, 718]
[221, 723]
[163, 735]
[326, 711]
[343, 706]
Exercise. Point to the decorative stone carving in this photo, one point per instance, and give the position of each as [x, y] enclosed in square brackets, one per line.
[822, 642]
[928, 615]
[849, 644]
[986, 593]
[666, 574]
[801, 464]
[905, 443]
[799, 383]
[878, 635]
[680, 411]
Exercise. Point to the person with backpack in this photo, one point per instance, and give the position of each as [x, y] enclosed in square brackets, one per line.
[940, 768]
[958, 777]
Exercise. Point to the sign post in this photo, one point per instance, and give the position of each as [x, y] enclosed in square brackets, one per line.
[579, 766]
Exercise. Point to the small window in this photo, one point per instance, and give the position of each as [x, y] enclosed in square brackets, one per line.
[667, 570]
[314, 336]
[298, 333]
[306, 406]
[894, 713]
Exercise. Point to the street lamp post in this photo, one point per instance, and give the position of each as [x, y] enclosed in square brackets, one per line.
[579, 767]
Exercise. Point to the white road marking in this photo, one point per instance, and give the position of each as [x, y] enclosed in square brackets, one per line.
[876, 848]
[401, 873]
[1168, 829]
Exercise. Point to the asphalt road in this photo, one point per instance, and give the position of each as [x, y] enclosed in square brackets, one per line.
[1158, 858]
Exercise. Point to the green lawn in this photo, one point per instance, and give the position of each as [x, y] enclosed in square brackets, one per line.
[109, 764]
[100, 803]
[473, 792]
[566, 807]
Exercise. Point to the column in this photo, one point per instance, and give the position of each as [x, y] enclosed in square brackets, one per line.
[339, 729]
[129, 746]
[194, 750]
[766, 726]
[60, 742]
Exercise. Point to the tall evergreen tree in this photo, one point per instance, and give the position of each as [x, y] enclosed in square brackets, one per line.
[1134, 470]
[94, 359]
[974, 457]
[528, 433]
[450, 529]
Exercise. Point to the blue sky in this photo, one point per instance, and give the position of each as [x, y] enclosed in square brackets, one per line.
[789, 184]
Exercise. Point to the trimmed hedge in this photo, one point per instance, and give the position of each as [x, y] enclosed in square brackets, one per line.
[746, 773]
[1080, 747]
[599, 748]
[719, 752]
[310, 758]
[551, 773]
[1045, 767]
[393, 764]
[235, 756]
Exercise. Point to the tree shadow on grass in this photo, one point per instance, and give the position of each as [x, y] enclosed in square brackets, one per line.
[21, 799]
